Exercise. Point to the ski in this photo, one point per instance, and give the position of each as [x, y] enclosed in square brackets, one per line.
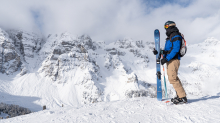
[157, 47]
[165, 86]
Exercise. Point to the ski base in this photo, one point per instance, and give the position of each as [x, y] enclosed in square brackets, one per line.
[158, 72]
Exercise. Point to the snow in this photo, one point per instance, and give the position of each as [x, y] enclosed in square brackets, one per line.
[3, 115]
[96, 82]
[136, 110]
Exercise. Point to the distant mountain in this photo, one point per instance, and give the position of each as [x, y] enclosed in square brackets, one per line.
[75, 70]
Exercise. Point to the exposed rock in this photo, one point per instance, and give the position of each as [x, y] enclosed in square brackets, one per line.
[69, 54]
[114, 51]
[9, 59]
[132, 79]
[74, 60]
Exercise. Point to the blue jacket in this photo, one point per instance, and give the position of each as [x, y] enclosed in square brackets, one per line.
[177, 40]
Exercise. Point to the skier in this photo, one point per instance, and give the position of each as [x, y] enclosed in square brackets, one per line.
[172, 58]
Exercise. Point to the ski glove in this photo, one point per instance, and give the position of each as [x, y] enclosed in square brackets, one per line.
[163, 52]
[164, 60]
[155, 51]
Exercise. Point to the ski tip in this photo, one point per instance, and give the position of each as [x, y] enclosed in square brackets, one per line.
[167, 101]
[157, 31]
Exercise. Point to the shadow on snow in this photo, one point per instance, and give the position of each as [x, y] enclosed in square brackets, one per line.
[202, 99]
[22, 101]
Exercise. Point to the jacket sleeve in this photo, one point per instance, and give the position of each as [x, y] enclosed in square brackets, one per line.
[176, 49]
[165, 48]
[164, 55]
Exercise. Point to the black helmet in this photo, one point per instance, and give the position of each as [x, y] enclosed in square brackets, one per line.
[169, 23]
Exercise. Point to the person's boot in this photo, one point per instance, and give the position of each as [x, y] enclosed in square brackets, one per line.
[177, 97]
[180, 100]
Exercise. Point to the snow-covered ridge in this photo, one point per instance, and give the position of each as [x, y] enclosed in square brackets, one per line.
[77, 69]
[64, 69]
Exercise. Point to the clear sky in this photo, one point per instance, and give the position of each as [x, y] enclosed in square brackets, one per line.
[110, 20]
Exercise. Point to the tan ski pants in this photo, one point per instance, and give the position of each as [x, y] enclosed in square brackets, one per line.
[172, 71]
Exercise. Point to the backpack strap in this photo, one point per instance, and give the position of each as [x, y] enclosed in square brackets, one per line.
[175, 39]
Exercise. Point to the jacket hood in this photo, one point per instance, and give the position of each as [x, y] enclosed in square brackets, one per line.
[170, 30]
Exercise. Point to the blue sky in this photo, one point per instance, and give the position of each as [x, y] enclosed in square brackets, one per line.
[37, 19]
[150, 5]
[110, 20]
[159, 3]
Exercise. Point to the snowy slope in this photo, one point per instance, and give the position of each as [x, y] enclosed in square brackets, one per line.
[136, 110]
[200, 69]
[69, 70]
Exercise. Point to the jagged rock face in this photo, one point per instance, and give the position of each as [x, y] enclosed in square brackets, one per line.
[132, 78]
[9, 58]
[78, 61]
[70, 55]
[18, 50]
[24, 47]
[113, 62]
[27, 43]
[67, 53]
[114, 51]
[65, 56]
[135, 91]
[129, 43]
[134, 47]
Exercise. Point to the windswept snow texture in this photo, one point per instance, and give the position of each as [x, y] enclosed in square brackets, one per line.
[69, 70]
[136, 110]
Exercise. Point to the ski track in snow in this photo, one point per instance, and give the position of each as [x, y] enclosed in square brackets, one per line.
[137, 110]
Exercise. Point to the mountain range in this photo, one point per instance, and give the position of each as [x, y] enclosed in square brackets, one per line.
[66, 69]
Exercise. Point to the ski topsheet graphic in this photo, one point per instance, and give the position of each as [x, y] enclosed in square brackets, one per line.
[157, 47]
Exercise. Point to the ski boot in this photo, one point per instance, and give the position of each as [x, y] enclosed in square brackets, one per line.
[180, 100]
[177, 97]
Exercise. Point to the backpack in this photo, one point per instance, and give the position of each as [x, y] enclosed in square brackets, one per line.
[183, 47]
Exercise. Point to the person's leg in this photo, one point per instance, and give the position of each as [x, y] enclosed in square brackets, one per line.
[172, 71]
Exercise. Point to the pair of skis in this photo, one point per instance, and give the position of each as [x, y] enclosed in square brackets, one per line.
[157, 47]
